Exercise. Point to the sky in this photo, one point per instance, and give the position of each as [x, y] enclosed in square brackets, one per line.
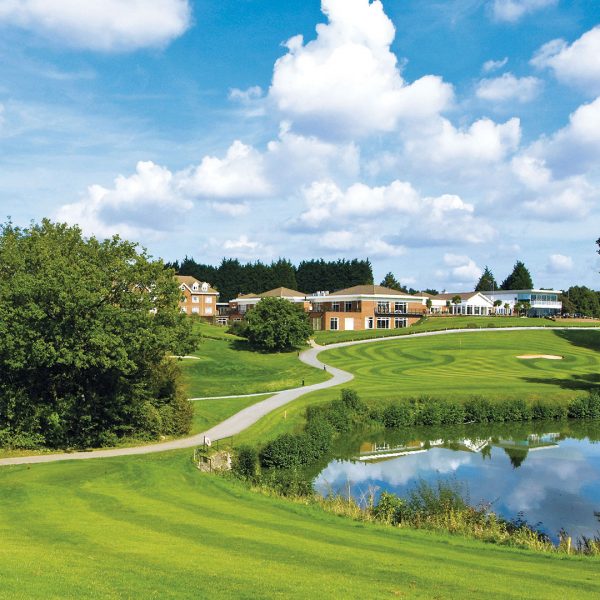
[433, 137]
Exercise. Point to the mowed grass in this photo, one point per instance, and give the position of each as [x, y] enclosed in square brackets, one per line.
[154, 527]
[228, 367]
[441, 323]
[460, 365]
[208, 413]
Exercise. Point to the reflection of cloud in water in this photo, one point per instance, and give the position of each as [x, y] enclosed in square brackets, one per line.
[558, 486]
[395, 472]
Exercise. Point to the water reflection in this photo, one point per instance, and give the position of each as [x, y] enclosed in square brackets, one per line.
[549, 472]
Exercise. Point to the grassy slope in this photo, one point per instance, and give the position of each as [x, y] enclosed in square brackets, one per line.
[153, 527]
[454, 366]
[208, 413]
[440, 323]
[227, 366]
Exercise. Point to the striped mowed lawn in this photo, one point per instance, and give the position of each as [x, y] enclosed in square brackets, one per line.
[460, 365]
[154, 527]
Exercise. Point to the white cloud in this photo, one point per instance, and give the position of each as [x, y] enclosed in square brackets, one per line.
[231, 209]
[460, 269]
[143, 204]
[483, 142]
[364, 242]
[494, 65]
[346, 81]
[512, 10]
[240, 174]
[508, 87]
[242, 243]
[104, 25]
[577, 64]
[559, 263]
[252, 93]
[399, 208]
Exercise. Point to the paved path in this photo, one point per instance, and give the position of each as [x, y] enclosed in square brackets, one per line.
[250, 415]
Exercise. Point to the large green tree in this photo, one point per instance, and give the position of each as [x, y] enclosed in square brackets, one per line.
[486, 282]
[390, 281]
[276, 324]
[85, 330]
[519, 279]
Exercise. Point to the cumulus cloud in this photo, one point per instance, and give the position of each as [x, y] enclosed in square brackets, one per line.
[356, 241]
[484, 141]
[577, 64]
[143, 204]
[460, 269]
[240, 174]
[559, 263]
[512, 11]
[494, 65]
[507, 87]
[231, 209]
[413, 218]
[347, 80]
[105, 25]
[244, 247]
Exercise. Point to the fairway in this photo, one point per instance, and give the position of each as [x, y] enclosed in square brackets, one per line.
[154, 527]
[460, 365]
[227, 367]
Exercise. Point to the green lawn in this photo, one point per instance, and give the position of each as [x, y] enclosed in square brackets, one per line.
[228, 367]
[457, 365]
[154, 527]
[460, 365]
[440, 323]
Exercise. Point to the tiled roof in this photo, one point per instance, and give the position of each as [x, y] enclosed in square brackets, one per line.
[189, 281]
[463, 296]
[282, 292]
[368, 290]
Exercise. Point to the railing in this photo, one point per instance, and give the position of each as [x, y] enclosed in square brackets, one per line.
[401, 313]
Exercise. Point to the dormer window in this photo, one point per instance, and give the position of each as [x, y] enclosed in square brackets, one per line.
[205, 287]
[182, 287]
[195, 287]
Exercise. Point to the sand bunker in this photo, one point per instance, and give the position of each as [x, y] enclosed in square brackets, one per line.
[546, 356]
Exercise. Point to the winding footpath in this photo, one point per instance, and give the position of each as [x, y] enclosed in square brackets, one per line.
[250, 415]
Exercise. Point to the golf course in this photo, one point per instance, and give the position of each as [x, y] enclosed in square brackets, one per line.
[153, 526]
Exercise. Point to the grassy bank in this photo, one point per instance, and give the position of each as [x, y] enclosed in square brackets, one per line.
[227, 367]
[154, 527]
[442, 323]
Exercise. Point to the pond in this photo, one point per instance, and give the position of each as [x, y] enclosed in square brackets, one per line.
[548, 473]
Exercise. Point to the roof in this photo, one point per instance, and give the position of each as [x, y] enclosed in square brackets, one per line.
[283, 292]
[245, 297]
[189, 281]
[462, 295]
[368, 290]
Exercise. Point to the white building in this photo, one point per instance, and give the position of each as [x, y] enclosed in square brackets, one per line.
[540, 303]
[471, 303]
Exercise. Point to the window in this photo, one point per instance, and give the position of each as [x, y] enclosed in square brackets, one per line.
[195, 299]
[369, 323]
[334, 323]
[399, 322]
[242, 308]
[182, 287]
[347, 306]
[195, 287]
[317, 307]
[383, 307]
[383, 323]
[208, 300]
[400, 307]
[222, 320]
[195, 310]
[183, 309]
[335, 306]
[208, 310]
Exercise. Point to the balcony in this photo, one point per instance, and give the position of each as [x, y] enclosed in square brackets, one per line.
[380, 312]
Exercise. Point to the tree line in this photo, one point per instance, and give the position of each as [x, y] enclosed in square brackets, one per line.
[232, 278]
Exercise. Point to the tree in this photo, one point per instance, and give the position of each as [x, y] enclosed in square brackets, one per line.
[519, 279]
[431, 291]
[389, 281]
[486, 282]
[276, 324]
[448, 305]
[497, 304]
[506, 308]
[85, 329]
[429, 304]
[581, 300]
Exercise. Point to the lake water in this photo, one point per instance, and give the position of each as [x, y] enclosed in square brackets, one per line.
[549, 472]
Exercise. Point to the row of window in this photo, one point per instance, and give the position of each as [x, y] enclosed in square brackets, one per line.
[370, 322]
[196, 310]
[384, 307]
[196, 300]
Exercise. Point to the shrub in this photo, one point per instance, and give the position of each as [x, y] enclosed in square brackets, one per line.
[398, 415]
[477, 410]
[290, 482]
[245, 463]
[319, 435]
[389, 509]
[545, 411]
[284, 452]
[586, 407]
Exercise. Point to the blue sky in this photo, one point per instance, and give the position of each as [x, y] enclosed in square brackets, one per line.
[433, 137]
